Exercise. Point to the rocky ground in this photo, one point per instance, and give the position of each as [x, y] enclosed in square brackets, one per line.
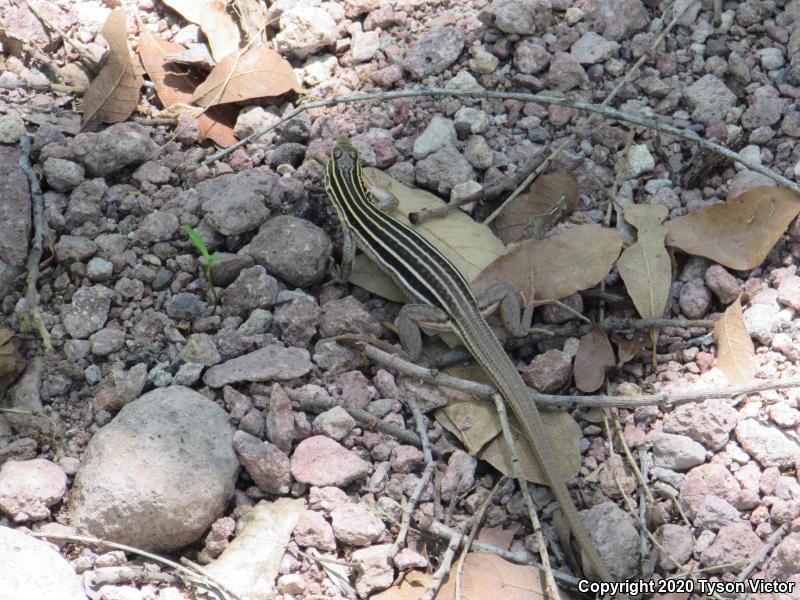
[158, 420]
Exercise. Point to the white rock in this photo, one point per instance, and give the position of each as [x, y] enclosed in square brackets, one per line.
[751, 153]
[364, 46]
[31, 569]
[440, 131]
[12, 128]
[593, 48]
[463, 81]
[639, 161]
[319, 68]
[573, 15]
[306, 29]
[335, 423]
[29, 487]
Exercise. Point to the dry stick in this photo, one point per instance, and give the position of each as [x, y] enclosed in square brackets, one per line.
[35, 255]
[439, 529]
[79, 48]
[572, 137]
[569, 402]
[430, 466]
[474, 527]
[644, 546]
[444, 567]
[500, 407]
[420, 216]
[213, 585]
[609, 113]
[762, 554]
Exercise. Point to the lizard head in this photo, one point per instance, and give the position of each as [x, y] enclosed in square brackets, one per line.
[345, 155]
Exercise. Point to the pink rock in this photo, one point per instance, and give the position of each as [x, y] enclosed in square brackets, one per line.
[280, 418]
[321, 461]
[325, 499]
[785, 560]
[460, 474]
[734, 543]
[264, 462]
[354, 389]
[705, 480]
[408, 559]
[28, 488]
[291, 583]
[789, 292]
[708, 422]
[313, 530]
[406, 459]
[217, 539]
[677, 542]
[356, 524]
[376, 572]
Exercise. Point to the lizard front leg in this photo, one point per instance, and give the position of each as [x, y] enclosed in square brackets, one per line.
[408, 325]
[503, 296]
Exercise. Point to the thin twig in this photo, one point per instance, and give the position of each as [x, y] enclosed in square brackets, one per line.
[581, 130]
[193, 576]
[444, 567]
[473, 528]
[440, 530]
[79, 48]
[664, 399]
[500, 406]
[35, 255]
[609, 113]
[430, 466]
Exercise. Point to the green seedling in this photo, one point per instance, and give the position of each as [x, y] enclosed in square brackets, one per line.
[210, 259]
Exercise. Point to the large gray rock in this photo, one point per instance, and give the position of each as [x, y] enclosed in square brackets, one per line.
[113, 149]
[31, 569]
[159, 474]
[237, 202]
[434, 51]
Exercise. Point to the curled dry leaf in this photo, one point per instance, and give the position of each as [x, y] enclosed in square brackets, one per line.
[738, 233]
[595, 355]
[551, 198]
[175, 86]
[257, 73]
[114, 93]
[485, 575]
[558, 266]
[218, 26]
[645, 267]
[736, 356]
[470, 246]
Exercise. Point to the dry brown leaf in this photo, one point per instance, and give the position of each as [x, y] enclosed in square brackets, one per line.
[114, 93]
[530, 215]
[175, 86]
[258, 73]
[475, 423]
[559, 266]
[470, 246]
[12, 364]
[218, 26]
[252, 18]
[595, 355]
[645, 266]
[736, 355]
[485, 576]
[738, 233]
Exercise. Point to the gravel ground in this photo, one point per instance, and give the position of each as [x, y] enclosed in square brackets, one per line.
[169, 422]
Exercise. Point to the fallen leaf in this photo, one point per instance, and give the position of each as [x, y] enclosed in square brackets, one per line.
[645, 266]
[114, 93]
[249, 564]
[628, 349]
[195, 55]
[738, 233]
[530, 215]
[595, 355]
[475, 423]
[736, 356]
[470, 246]
[217, 25]
[558, 266]
[13, 43]
[252, 18]
[175, 86]
[258, 73]
[485, 575]
[12, 364]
